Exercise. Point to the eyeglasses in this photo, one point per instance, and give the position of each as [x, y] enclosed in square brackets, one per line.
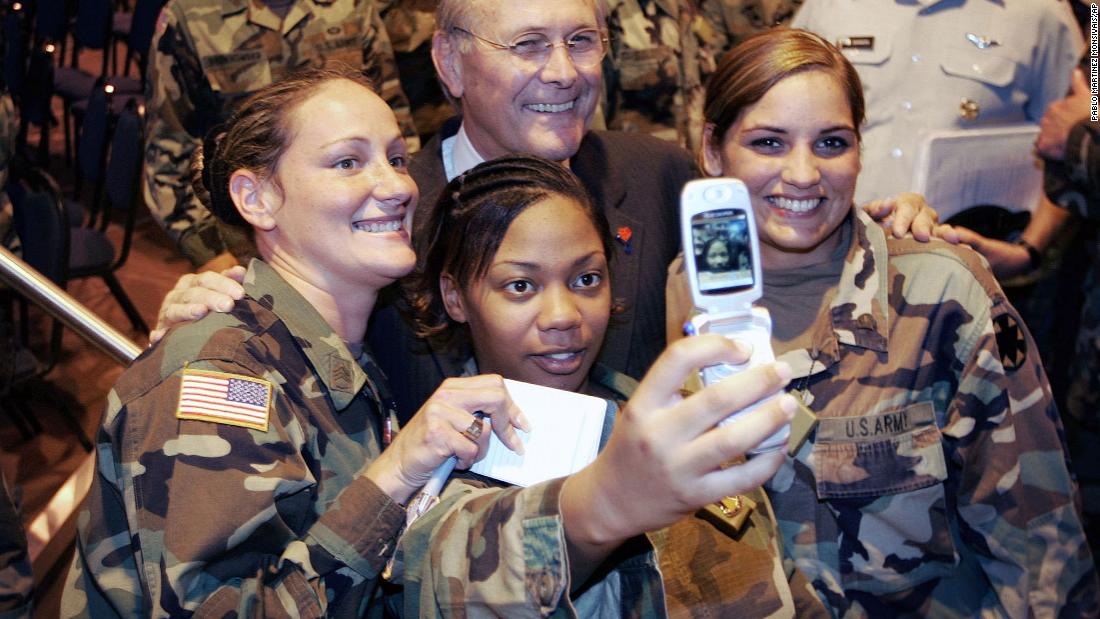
[586, 47]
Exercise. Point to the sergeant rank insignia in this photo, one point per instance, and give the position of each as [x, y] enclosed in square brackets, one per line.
[231, 399]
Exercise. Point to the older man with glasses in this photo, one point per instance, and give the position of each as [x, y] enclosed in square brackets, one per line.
[526, 77]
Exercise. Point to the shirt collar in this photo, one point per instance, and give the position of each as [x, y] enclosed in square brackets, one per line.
[860, 309]
[459, 154]
[337, 369]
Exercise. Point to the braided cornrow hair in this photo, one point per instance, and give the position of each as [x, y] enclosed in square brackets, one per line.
[460, 234]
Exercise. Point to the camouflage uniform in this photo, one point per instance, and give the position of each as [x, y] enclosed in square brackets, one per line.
[936, 483]
[1074, 184]
[463, 504]
[200, 517]
[655, 84]
[195, 516]
[662, 52]
[707, 571]
[731, 21]
[207, 56]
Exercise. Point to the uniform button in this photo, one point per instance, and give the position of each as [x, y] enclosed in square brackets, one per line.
[916, 57]
[896, 153]
[906, 105]
[545, 587]
[977, 68]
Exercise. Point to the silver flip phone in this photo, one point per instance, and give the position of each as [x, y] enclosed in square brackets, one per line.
[722, 255]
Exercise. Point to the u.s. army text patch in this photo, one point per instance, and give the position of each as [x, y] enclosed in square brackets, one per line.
[231, 399]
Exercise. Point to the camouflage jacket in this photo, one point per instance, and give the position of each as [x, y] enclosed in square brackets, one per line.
[196, 517]
[728, 22]
[709, 571]
[188, 516]
[663, 51]
[655, 82]
[532, 546]
[1074, 182]
[206, 57]
[937, 482]
[705, 571]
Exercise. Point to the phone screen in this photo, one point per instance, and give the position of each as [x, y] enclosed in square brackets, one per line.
[723, 256]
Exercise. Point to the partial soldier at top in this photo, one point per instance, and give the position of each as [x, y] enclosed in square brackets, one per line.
[662, 53]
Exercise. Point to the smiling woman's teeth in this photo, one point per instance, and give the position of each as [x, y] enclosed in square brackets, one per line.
[550, 107]
[796, 206]
[376, 226]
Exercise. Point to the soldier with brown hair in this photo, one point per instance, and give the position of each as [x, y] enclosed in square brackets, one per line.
[936, 483]
[208, 56]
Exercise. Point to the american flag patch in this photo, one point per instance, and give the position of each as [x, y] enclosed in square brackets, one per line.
[224, 398]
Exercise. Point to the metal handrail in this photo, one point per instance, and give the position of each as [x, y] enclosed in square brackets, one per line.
[44, 293]
[51, 530]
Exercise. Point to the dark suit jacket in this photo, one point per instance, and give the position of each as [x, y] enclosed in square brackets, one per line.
[637, 180]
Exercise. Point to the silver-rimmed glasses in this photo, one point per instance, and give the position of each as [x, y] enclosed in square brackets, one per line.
[586, 47]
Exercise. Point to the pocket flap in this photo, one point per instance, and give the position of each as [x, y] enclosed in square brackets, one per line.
[980, 66]
[875, 455]
[237, 72]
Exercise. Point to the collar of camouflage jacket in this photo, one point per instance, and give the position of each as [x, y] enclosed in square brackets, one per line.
[332, 361]
[858, 314]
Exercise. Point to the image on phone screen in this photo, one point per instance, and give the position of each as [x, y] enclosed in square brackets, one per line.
[723, 257]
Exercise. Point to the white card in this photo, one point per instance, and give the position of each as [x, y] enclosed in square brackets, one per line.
[564, 437]
[991, 165]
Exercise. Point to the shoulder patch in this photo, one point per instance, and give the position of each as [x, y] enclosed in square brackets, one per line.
[232, 399]
[1010, 341]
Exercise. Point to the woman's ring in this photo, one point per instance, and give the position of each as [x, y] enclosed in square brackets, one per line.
[473, 432]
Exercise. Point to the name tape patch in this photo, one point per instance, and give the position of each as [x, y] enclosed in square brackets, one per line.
[232, 399]
[876, 427]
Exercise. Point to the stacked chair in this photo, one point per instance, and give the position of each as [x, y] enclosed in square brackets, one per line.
[43, 228]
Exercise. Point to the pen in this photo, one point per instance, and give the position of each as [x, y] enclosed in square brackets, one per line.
[429, 494]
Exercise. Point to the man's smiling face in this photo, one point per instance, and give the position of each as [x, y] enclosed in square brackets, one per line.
[510, 105]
